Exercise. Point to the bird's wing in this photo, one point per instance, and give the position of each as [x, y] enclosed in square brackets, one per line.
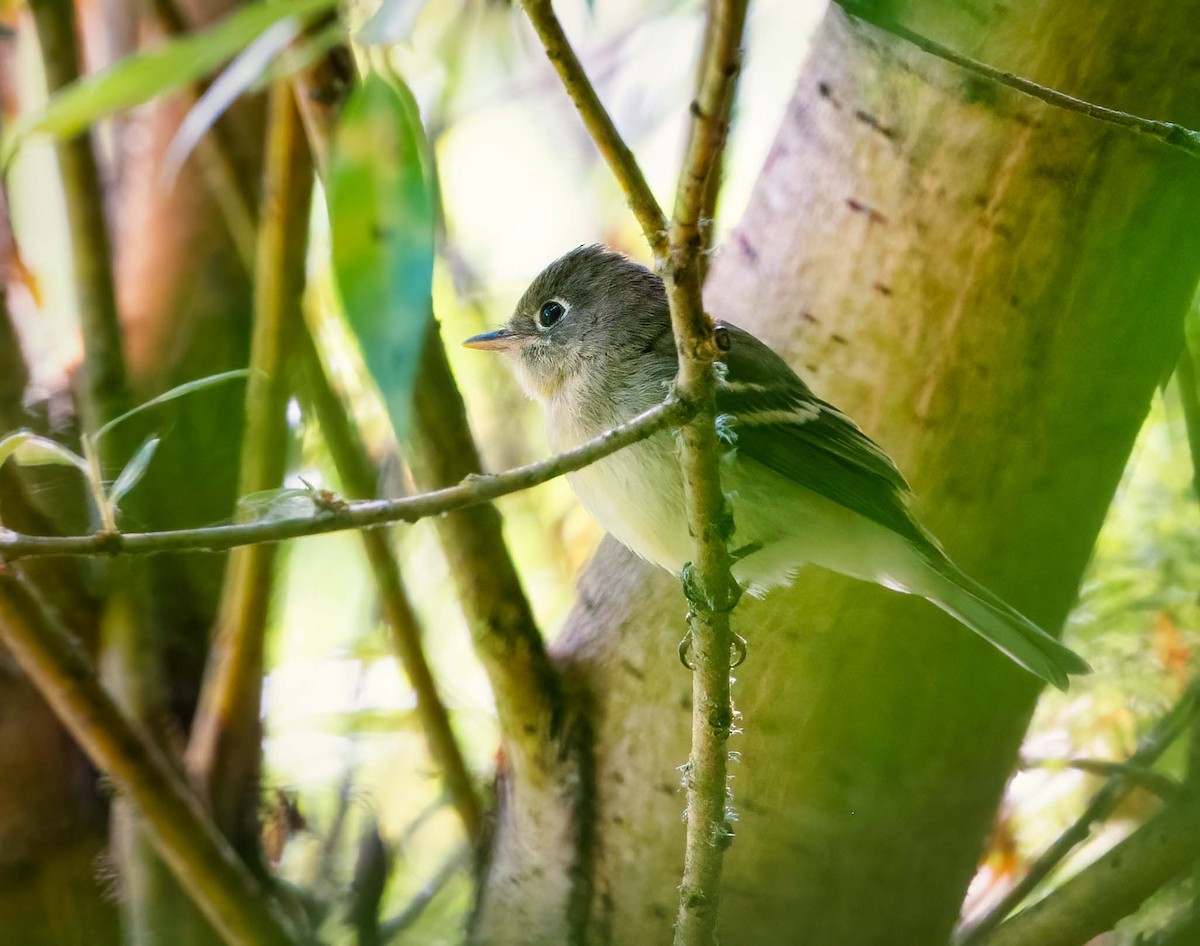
[781, 424]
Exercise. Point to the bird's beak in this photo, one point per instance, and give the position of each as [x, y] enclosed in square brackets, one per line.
[500, 340]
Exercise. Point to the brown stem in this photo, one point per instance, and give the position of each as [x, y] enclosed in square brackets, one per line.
[712, 593]
[599, 124]
[230, 897]
[507, 642]
[224, 754]
[359, 476]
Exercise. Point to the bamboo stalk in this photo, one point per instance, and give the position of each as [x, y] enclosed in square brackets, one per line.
[224, 753]
[236, 903]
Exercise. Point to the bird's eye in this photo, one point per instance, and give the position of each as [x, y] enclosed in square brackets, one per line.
[551, 313]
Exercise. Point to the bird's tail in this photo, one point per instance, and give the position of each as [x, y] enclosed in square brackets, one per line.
[1000, 624]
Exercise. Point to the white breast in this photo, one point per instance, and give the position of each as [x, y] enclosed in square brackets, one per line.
[636, 494]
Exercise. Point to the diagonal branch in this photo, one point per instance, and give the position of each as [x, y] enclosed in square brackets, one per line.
[473, 490]
[189, 843]
[528, 694]
[1169, 133]
[1152, 745]
[599, 124]
[1113, 886]
[358, 477]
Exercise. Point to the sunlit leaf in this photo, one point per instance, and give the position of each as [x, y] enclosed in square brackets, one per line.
[231, 84]
[134, 470]
[392, 23]
[28, 449]
[9, 444]
[381, 224]
[189, 387]
[146, 74]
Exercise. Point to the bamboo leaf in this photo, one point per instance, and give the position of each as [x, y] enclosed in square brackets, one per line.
[231, 84]
[381, 224]
[134, 470]
[28, 449]
[189, 387]
[10, 443]
[146, 74]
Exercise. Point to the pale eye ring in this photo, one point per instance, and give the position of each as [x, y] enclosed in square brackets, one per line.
[550, 314]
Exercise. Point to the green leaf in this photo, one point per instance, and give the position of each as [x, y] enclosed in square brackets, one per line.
[146, 74]
[134, 470]
[28, 449]
[381, 226]
[189, 387]
[10, 443]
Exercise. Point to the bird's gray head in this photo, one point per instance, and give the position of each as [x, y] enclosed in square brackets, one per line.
[584, 326]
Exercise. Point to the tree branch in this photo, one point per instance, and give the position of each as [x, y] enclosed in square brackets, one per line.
[708, 583]
[475, 489]
[529, 701]
[712, 593]
[224, 753]
[599, 125]
[1103, 803]
[230, 897]
[1169, 133]
[1112, 887]
[1141, 776]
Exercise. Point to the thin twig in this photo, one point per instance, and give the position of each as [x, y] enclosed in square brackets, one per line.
[1103, 803]
[358, 476]
[411, 911]
[1169, 133]
[231, 898]
[1111, 887]
[1142, 776]
[224, 753]
[358, 515]
[712, 592]
[599, 124]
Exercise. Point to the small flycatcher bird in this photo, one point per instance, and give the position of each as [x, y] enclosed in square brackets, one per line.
[591, 340]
